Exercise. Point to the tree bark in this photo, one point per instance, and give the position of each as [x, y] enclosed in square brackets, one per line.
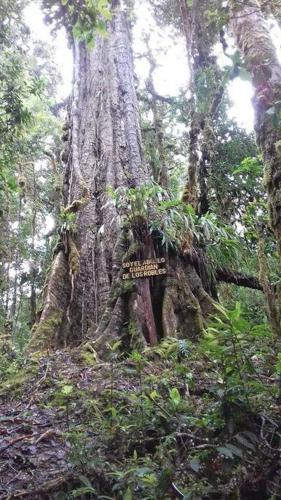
[17, 263]
[161, 174]
[33, 270]
[86, 294]
[254, 41]
[191, 190]
[199, 40]
[272, 295]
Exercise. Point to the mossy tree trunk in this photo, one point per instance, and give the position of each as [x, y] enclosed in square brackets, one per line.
[86, 295]
[255, 43]
[161, 170]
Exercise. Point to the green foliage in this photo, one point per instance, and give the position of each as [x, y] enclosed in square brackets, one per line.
[15, 116]
[173, 222]
[27, 128]
[180, 419]
[64, 398]
[87, 488]
[79, 455]
[134, 204]
[250, 167]
[175, 397]
[170, 348]
[222, 244]
[168, 418]
[21, 87]
[232, 342]
[206, 83]
[14, 371]
[253, 302]
[67, 390]
[68, 220]
[155, 434]
[82, 19]
[216, 17]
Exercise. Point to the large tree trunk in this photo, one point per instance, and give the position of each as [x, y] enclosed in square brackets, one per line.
[86, 293]
[255, 43]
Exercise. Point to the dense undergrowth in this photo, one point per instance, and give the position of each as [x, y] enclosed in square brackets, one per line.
[180, 420]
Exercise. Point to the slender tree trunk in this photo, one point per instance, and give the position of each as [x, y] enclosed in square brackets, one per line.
[7, 297]
[33, 271]
[254, 41]
[85, 292]
[270, 292]
[5, 261]
[13, 308]
[162, 170]
[201, 136]
[191, 189]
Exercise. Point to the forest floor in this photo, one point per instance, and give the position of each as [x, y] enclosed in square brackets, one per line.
[156, 425]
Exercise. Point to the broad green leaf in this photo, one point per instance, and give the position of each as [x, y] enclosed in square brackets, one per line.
[175, 396]
[143, 471]
[128, 494]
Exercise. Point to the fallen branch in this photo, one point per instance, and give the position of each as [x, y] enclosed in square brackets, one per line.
[48, 433]
[29, 437]
[16, 440]
[53, 484]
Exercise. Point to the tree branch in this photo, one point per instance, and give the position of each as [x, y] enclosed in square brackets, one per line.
[239, 279]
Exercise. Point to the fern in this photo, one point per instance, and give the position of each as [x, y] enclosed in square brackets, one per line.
[175, 223]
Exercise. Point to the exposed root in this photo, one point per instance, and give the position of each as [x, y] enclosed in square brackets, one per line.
[47, 333]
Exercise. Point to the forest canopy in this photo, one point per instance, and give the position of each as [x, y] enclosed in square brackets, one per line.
[140, 292]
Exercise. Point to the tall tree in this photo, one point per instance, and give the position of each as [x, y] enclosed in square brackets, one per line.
[207, 85]
[256, 45]
[85, 292]
[27, 82]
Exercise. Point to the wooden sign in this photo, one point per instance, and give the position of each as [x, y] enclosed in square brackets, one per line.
[144, 268]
